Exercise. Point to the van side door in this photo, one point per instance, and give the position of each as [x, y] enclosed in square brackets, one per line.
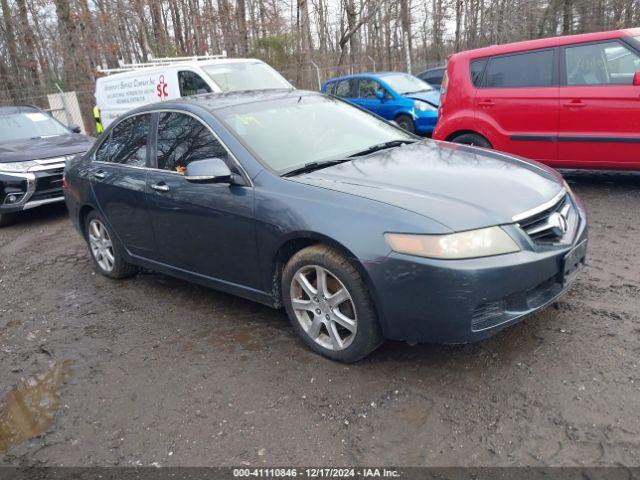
[599, 106]
[518, 99]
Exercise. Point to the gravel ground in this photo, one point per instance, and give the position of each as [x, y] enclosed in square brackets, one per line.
[154, 370]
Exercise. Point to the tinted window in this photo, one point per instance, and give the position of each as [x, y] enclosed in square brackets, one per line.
[433, 77]
[183, 139]
[477, 67]
[534, 69]
[343, 88]
[330, 87]
[191, 84]
[127, 142]
[609, 63]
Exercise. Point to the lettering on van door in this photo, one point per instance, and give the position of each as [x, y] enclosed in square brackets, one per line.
[136, 90]
[163, 88]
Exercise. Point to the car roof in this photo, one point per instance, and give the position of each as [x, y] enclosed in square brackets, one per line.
[546, 43]
[218, 101]
[181, 64]
[9, 110]
[432, 69]
[380, 75]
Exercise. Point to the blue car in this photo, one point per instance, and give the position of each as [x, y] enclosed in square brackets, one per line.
[401, 97]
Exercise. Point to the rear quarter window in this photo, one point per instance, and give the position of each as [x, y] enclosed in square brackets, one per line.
[530, 69]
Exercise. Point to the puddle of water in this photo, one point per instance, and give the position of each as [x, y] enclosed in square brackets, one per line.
[29, 409]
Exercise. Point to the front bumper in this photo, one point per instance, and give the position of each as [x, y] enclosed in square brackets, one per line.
[40, 186]
[462, 301]
[425, 122]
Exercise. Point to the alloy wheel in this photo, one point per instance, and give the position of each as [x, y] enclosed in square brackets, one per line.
[101, 245]
[324, 308]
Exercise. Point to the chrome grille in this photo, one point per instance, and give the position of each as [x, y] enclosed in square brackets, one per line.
[52, 164]
[555, 224]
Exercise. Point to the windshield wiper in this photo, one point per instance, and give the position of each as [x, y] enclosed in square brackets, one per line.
[382, 146]
[311, 166]
[418, 91]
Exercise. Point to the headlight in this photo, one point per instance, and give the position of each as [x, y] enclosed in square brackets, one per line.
[424, 106]
[17, 167]
[472, 244]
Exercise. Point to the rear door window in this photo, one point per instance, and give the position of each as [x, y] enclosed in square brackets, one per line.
[127, 142]
[191, 84]
[531, 69]
[182, 139]
[607, 63]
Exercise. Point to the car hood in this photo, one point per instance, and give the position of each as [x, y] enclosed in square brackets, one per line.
[431, 96]
[458, 186]
[32, 149]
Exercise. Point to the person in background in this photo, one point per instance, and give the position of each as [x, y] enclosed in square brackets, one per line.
[96, 117]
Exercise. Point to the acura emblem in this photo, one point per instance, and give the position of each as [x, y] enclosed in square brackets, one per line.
[558, 224]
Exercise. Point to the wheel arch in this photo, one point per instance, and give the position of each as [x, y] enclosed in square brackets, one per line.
[83, 213]
[302, 240]
[457, 133]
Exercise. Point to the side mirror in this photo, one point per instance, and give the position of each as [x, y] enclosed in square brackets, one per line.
[210, 170]
[636, 79]
[75, 128]
[380, 95]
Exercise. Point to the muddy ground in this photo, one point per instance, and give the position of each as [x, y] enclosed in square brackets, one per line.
[158, 371]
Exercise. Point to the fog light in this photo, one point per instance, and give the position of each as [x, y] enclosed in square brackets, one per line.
[13, 198]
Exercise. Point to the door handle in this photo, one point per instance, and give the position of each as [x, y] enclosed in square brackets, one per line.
[160, 187]
[486, 103]
[574, 104]
[99, 174]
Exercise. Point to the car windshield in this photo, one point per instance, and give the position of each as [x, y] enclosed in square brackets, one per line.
[26, 125]
[403, 83]
[233, 77]
[291, 132]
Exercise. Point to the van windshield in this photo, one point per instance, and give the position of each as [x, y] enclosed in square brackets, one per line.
[27, 125]
[233, 77]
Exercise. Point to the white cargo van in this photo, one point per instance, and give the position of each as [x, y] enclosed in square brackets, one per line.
[133, 85]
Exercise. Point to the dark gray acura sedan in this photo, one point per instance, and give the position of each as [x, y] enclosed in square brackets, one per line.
[359, 229]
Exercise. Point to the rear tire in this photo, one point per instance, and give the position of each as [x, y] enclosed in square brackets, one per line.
[406, 123]
[7, 219]
[335, 317]
[105, 250]
[472, 139]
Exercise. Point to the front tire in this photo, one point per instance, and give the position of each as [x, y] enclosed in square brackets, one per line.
[7, 219]
[406, 123]
[106, 251]
[472, 139]
[329, 305]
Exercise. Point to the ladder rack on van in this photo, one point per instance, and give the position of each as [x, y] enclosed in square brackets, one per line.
[159, 62]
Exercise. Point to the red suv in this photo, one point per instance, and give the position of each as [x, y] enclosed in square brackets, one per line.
[569, 101]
